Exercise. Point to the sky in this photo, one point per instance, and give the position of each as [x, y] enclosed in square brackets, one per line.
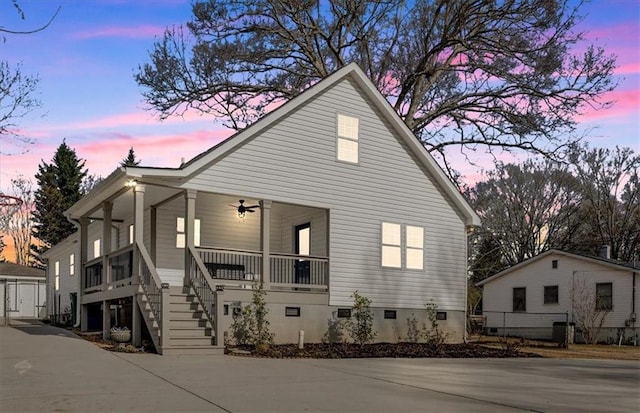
[86, 61]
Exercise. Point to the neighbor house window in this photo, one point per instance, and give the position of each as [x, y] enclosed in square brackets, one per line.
[604, 296]
[96, 248]
[347, 139]
[72, 264]
[554, 264]
[415, 247]
[180, 240]
[391, 245]
[131, 234]
[56, 272]
[551, 294]
[519, 299]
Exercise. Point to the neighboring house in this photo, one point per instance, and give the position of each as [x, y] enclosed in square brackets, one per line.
[22, 292]
[63, 273]
[329, 194]
[529, 297]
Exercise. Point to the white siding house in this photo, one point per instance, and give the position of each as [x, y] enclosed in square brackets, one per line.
[529, 297]
[329, 194]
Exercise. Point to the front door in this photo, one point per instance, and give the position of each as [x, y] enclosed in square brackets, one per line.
[303, 247]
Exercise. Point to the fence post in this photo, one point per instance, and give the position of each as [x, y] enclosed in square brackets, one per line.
[219, 309]
[504, 324]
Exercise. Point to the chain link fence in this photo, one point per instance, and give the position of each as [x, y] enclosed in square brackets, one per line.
[535, 326]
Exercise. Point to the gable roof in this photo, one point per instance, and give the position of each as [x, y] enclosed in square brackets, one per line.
[598, 260]
[12, 269]
[352, 72]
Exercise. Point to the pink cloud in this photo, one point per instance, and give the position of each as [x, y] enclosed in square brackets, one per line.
[137, 32]
[626, 103]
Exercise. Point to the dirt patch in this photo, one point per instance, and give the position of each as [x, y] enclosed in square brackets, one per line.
[377, 350]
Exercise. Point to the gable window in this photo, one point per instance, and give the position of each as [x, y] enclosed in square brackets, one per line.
[72, 264]
[180, 236]
[604, 296]
[519, 299]
[57, 274]
[96, 248]
[391, 245]
[551, 294]
[554, 264]
[347, 145]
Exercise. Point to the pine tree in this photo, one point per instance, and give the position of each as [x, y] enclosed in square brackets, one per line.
[130, 160]
[59, 187]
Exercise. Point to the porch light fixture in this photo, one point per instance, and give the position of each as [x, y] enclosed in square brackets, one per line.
[241, 213]
[131, 183]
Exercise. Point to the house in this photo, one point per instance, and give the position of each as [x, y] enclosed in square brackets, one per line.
[556, 286]
[327, 195]
[63, 272]
[22, 292]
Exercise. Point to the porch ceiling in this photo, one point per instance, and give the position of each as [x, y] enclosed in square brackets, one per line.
[123, 204]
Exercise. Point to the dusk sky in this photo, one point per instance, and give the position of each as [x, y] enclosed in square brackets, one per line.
[87, 58]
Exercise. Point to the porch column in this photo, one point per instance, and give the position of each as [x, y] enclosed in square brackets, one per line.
[138, 228]
[154, 231]
[107, 208]
[189, 230]
[265, 237]
[81, 310]
[138, 239]
[106, 319]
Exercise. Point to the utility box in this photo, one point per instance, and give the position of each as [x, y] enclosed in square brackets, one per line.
[563, 332]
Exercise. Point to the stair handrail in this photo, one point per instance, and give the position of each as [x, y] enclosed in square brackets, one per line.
[151, 285]
[202, 285]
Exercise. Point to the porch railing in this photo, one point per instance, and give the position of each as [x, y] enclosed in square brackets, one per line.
[121, 263]
[93, 275]
[150, 283]
[237, 265]
[299, 271]
[201, 284]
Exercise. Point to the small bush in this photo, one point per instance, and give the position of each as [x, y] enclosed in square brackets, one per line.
[360, 325]
[434, 337]
[334, 333]
[250, 326]
[413, 331]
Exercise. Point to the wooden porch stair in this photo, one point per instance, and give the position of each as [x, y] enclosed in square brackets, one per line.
[190, 332]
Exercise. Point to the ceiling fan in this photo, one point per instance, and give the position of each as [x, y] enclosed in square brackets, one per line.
[243, 209]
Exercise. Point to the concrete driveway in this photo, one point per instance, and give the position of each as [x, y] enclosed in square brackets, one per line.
[44, 368]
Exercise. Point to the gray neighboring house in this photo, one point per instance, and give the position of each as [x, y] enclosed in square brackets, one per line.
[328, 194]
[527, 298]
[22, 292]
[62, 286]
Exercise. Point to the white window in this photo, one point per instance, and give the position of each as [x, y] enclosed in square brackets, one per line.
[347, 139]
[57, 274]
[96, 248]
[391, 245]
[180, 240]
[415, 247]
[72, 264]
[131, 234]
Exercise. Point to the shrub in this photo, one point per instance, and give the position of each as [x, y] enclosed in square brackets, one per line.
[434, 337]
[360, 325]
[413, 331]
[334, 333]
[250, 326]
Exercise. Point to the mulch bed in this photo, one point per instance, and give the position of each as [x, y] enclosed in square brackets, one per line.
[391, 350]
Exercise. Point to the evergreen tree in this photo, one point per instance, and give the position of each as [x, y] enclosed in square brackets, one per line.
[130, 160]
[59, 187]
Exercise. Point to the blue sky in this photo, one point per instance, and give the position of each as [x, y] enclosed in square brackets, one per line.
[87, 58]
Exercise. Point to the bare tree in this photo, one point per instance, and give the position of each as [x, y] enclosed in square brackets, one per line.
[588, 311]
[18, 93]
[465, 74]
[526, 209]
[18, 222]
[611, 190]
[18, 97]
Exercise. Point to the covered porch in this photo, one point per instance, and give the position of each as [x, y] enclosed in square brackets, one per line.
[146, 238]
